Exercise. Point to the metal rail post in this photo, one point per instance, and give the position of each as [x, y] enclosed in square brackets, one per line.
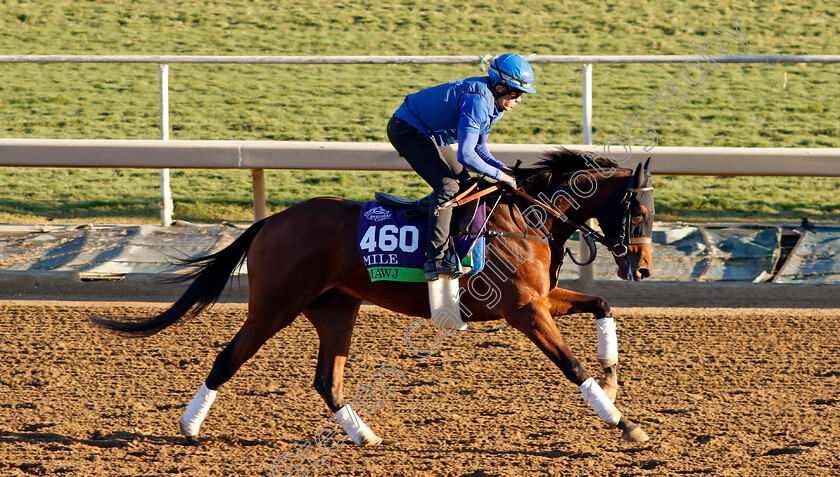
[585, 273]
[166, 206]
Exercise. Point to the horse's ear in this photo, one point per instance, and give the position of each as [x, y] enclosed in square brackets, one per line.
[640, 178]
[647, 163]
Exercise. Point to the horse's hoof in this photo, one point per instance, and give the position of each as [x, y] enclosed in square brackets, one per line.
[192, 441]
[635, 434]
[388, 442]
[632, 431]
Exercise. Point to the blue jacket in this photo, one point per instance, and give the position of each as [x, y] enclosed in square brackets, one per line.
[461, 111]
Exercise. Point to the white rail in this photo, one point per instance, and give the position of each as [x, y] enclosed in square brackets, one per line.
[382, 156]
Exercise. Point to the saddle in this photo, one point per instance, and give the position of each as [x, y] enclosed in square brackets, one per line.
[462, 216]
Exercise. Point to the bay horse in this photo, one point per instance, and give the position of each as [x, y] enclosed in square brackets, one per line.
[305, 260]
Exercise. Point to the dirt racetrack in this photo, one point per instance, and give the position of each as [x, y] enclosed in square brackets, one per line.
[720, 391]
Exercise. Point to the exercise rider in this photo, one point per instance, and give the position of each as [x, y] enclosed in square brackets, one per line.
[461, 112]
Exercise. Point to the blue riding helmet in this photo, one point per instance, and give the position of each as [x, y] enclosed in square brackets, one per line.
[513, 71]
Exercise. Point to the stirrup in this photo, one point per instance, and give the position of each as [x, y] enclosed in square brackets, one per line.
[452, 257]
[432, 269]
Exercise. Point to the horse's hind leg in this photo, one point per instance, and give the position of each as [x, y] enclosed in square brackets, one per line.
[257, 329]
[334, 314]
[565, 302]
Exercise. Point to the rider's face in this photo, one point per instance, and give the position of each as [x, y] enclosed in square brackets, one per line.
[509, 100]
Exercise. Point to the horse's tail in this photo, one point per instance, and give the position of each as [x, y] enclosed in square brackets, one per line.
[210, 275]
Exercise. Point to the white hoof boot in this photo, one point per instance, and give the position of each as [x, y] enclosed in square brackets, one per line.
[353, 425]
[196, 411]
[597, 398]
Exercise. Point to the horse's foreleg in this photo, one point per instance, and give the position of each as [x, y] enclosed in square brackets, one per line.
[537, 324]
[565, 302]
[334, 314]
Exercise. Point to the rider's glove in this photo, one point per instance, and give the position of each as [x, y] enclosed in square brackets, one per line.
[507, 181]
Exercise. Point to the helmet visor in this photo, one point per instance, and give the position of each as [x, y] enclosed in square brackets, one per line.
[525, 84]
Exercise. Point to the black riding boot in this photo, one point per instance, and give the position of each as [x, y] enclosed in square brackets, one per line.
[440, 255]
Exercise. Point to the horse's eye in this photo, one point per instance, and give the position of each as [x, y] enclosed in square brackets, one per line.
[639, 215]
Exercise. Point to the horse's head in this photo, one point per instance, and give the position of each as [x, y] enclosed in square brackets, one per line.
[572, 186]
[628, 226]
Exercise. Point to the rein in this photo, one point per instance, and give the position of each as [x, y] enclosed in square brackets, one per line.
[587, 232]
[462, 198]
[493, 233]
[465, 197]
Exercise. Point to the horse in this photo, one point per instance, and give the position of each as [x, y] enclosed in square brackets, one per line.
[305, 261]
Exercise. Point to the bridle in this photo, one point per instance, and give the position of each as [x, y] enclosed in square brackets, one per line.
[620, 247]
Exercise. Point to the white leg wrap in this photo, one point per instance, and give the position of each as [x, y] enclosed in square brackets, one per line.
[353, 425]
[195, 413]
[607, 342]
[597, 398]
[443, 303]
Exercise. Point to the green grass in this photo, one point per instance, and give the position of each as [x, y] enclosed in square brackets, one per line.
[205, 196]
[745, 105]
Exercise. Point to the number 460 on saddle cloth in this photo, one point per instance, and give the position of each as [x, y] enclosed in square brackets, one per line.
[391, 243]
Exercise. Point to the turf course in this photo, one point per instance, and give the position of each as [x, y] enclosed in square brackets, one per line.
[745, 105]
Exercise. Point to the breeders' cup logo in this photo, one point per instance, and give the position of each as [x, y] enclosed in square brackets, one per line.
[378, 214]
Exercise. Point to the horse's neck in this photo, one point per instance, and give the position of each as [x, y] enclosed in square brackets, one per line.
[578, 204]
[568, 205]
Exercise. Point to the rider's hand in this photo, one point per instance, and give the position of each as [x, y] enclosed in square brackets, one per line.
[507, 181]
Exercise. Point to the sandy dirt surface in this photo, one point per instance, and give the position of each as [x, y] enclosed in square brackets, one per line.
[720, 391]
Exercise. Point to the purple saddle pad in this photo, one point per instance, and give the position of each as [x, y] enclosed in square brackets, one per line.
[391, 244]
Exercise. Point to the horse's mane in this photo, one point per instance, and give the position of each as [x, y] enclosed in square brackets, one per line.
[561, 161]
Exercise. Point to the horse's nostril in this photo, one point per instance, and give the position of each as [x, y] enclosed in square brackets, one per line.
[644, 272]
